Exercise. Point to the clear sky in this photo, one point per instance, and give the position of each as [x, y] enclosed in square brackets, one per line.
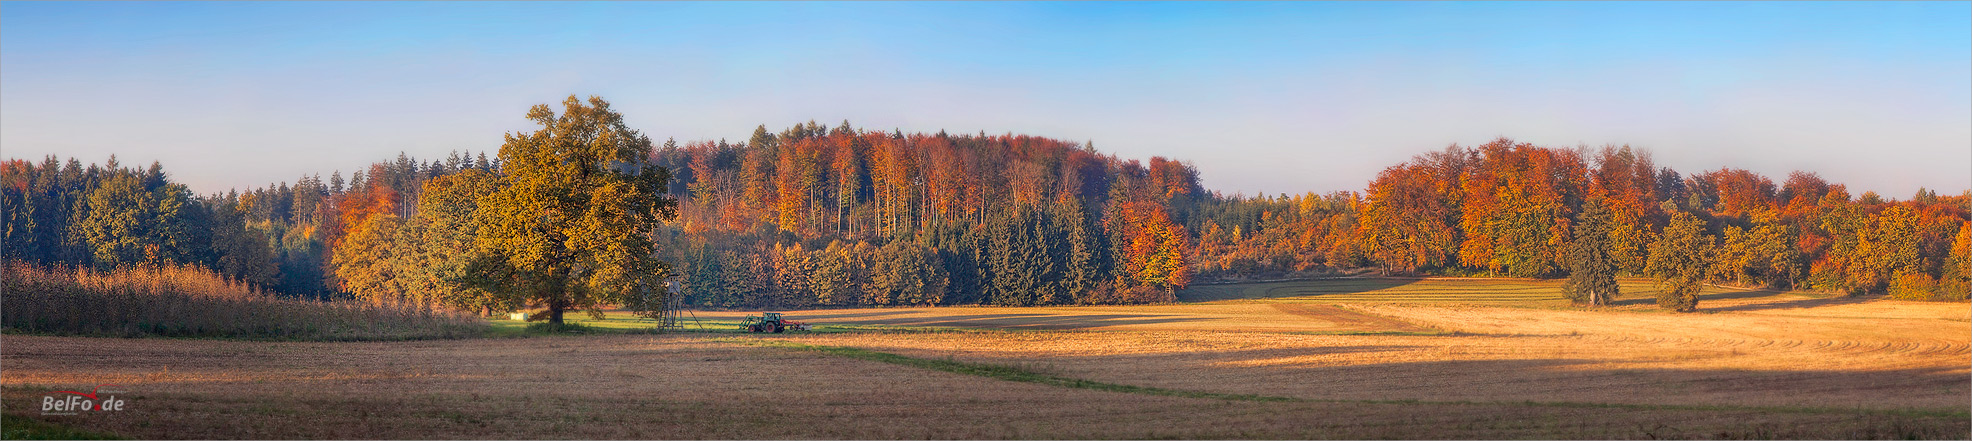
[1262, 97]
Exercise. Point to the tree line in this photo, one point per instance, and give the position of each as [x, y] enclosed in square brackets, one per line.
[561, 221]
[276, 238]
[587, 211]
[1518, 210]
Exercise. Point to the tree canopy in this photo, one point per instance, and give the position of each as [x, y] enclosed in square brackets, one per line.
[569, 225]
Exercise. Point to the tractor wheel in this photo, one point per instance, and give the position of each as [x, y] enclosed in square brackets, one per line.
[778, 328]
[753, 328]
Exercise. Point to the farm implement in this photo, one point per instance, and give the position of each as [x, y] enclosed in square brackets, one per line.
[772, 322]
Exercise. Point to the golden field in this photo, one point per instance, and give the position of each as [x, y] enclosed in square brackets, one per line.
[1391, 362]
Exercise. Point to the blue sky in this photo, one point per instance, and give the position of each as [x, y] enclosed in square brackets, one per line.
[1262, 97]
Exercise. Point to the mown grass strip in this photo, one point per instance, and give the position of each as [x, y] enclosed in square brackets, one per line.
[1008, 373]
[1014, 373]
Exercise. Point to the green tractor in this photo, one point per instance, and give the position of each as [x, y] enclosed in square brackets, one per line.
[771, 322]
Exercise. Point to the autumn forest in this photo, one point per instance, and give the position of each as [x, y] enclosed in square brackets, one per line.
[814, 215]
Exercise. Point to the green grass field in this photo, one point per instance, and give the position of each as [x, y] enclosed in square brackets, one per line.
[624, 322]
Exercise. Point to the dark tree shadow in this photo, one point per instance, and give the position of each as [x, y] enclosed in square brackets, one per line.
[1292, 288]
[1794, 304]
[1016, 321]
[1650, 298]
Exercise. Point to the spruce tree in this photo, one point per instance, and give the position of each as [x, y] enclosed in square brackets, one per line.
[1679, 260]
[1591, 270]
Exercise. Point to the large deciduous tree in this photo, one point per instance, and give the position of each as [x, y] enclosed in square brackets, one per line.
[363, 261]
[1412, 220]
[570, 224]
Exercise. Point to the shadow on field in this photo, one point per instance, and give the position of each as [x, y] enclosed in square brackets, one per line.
[1650, 298]
[843, 315]
[1009, 321]
[1793, 304]
[1294, 288]
[1939, 388]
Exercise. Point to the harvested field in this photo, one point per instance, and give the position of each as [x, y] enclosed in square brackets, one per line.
[697, 386]
[1756, 364]
[1241, 317]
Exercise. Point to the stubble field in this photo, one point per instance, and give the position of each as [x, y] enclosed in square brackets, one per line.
[1322, 359]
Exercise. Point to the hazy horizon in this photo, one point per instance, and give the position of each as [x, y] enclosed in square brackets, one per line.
[1264, 98]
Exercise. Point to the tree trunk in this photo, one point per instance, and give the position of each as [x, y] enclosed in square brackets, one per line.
[555, 310]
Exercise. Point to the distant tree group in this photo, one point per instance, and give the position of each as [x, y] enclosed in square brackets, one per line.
[111, 216]
[279, 238]
[1514, 209]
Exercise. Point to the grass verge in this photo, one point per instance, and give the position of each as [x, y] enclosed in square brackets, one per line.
[1021, 374]
[20, 427]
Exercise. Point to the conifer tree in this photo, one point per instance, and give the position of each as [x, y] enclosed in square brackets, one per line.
[1679, 261]
[1591, 268]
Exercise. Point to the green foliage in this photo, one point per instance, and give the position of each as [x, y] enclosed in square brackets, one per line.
[834, 280]
[1765, 255]
[557, 328]
[1914, 285]
[242, 252]
[1086, 261]
[1887, 244]
[905, 273]
[1956, 281]
[437, 249]
[1020, 264]
[1679, 261]
[365, 263]
[569, 225]
[1591, 268]
[130, 222]
[20, 427]
[704, 277]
